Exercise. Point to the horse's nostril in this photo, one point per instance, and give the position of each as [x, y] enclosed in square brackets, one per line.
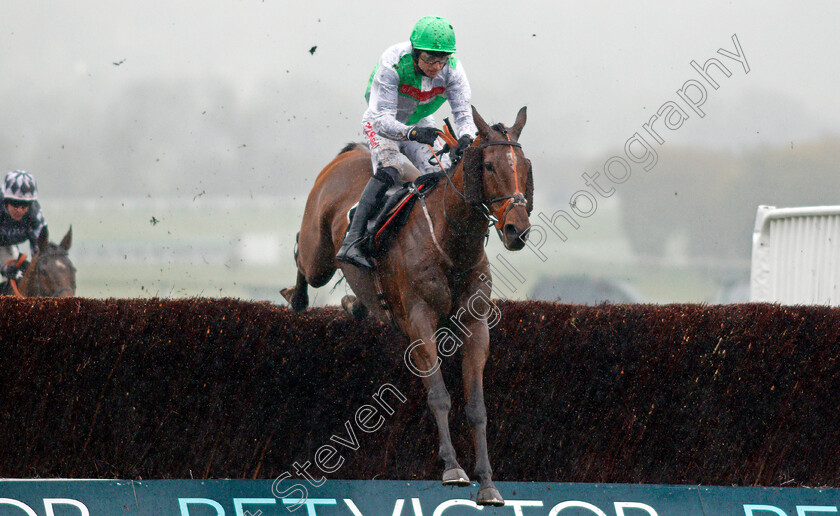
[511, 231]
[514, 237]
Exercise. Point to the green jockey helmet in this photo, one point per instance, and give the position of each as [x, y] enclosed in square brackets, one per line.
[434, 34]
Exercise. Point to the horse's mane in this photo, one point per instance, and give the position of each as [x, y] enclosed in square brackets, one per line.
[351, 147]
[54, 248]
[51, 249]
[500, 127]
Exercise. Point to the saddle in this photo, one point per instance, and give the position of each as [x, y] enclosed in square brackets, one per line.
[394, 211]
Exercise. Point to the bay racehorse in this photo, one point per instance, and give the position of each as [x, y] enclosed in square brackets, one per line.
[50, 273]
[435, 271]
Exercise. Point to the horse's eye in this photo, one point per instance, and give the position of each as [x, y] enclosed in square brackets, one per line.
[488, 166]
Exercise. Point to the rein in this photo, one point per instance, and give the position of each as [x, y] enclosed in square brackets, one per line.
[485, 213]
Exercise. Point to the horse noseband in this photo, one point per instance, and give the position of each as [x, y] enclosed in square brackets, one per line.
[499, 216]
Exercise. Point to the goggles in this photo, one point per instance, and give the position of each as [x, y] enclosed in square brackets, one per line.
[17, 203]
[434, 60]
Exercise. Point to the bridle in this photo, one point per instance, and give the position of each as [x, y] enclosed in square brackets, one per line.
[494, 217]
[39, 272]
[511, 201]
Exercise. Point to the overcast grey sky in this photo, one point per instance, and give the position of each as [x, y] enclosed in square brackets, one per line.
[591, 73]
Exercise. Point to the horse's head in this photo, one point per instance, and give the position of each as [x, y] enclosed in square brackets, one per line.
[498, 179]
[51, 273]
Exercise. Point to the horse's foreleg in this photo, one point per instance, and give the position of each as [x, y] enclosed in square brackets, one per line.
[354, 307]
[440, 404]
[476, 350]
[426, 364]
[297, 296]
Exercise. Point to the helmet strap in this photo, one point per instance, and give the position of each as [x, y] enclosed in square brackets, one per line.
[415, 57]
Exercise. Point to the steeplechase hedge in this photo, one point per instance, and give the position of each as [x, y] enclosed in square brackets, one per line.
[743, 394]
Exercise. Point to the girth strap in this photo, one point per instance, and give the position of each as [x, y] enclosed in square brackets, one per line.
[380, 295]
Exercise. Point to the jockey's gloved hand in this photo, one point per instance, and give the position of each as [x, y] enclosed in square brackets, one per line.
[426, 135]
[463, 142]
[11, 272]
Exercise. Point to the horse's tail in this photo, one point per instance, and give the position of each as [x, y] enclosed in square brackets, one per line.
[351, 147]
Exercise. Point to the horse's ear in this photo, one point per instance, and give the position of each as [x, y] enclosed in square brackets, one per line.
[43, 238]
[473, 164]
[483, 128]
[516, 129]
[67, 240]
[529, 190]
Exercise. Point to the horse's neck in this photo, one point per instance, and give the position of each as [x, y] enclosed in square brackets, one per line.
[463, 237]
[32, 283]
[28, 286]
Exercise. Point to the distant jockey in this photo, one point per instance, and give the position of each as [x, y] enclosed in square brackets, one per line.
[20, 220]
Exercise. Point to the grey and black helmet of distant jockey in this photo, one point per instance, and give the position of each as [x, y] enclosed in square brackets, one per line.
[433, 43]
[19, 191]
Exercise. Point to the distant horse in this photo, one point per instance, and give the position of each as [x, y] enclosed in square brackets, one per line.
[435, 270]
[50, 273]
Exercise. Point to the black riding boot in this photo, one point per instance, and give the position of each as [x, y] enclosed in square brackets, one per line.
[350, 250]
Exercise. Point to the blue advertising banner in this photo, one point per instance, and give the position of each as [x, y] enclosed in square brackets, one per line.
[398, 498]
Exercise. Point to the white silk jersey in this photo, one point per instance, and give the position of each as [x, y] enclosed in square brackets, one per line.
[400, 96]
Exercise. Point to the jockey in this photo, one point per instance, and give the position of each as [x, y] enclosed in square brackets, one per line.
[20, 220]
[408, 84]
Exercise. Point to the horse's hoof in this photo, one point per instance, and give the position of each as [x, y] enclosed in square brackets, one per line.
[287, 294]
[298, 302]
[354, 308]
[347, 305]
[455, 477]
[490, 496]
